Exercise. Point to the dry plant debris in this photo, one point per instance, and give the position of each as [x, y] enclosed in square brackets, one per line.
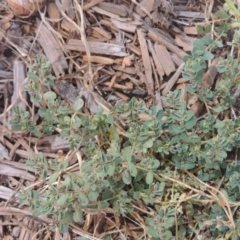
[105, 52]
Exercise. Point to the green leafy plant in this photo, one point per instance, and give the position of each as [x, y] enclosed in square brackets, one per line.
[172, 162]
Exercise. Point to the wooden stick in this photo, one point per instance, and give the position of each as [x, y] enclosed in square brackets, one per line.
[155, 36]
[91, 4]
[173, 79]
[146, 61]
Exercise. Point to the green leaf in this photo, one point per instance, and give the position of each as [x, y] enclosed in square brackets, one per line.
[93, 196]
[191, 123]
[160, 115]
[191, 89]
[149, 177]
[153, 232]
[83, 199]
[53, 177]
[218, 109]
[102, 205]
[222, 14]
[199, 76]
[198, 44]
[111, 169]
[50, 96]
[148, 143]
[107, 194]
[208, 28]
[208, 56]
[206, 40]
[78, 104]
[219, 124]
[63, 199]
[63, 165]
[77, 122]
[33, 76]
[127, 154]
[175, 129]
[132, 169]
[126, 177]
[199, 29]
[169, 222]
[77, 216]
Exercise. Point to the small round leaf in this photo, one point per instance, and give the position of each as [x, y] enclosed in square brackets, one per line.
[50, 96]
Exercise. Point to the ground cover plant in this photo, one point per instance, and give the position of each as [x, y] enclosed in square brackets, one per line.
[174, 171]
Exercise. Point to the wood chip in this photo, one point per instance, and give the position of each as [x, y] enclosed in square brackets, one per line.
[185, 42]
[144, 7]
[57, 143]
[177, 60]
[4, 152]
[128, 27]
[188, 14]
[19, 72]
[91, 4]
[6, 74]
[158, 101]
[146, 61]
[100, 60]
[156, 37]
[106, 13]
[6, 193]
[52, 49]
[117, 9]
[173, 80]
[165, 59]
[69, 27]
[53, 11]
[97, 47]
[190, 30]
[156, 60]
[14, 172]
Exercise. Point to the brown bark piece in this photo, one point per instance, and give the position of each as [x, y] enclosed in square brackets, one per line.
[190, 30]
[210, 75]
[4, 152]
[106, 13]
[6, 193]
[52, 49]
[147, 5]
[66, 90]
[15, 172]
[91, 4]
[6, 74]
[185, 42]
[190, 14]
[119, 10]
[128, 70]
[19, 95]
[133, 48]
[128, 27]
[69, 27]
[19, 73]
[165, 59]
[100, 60]
[53, 11]
[97, 47]
[156, 37]
[158, 101]
[156, 60]
[146, 61]
[177, 60]
[173, 80]
[103, 32]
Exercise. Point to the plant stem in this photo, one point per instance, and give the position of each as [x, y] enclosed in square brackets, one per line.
[233, 8]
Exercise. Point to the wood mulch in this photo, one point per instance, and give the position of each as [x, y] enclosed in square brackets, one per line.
[106, 51]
